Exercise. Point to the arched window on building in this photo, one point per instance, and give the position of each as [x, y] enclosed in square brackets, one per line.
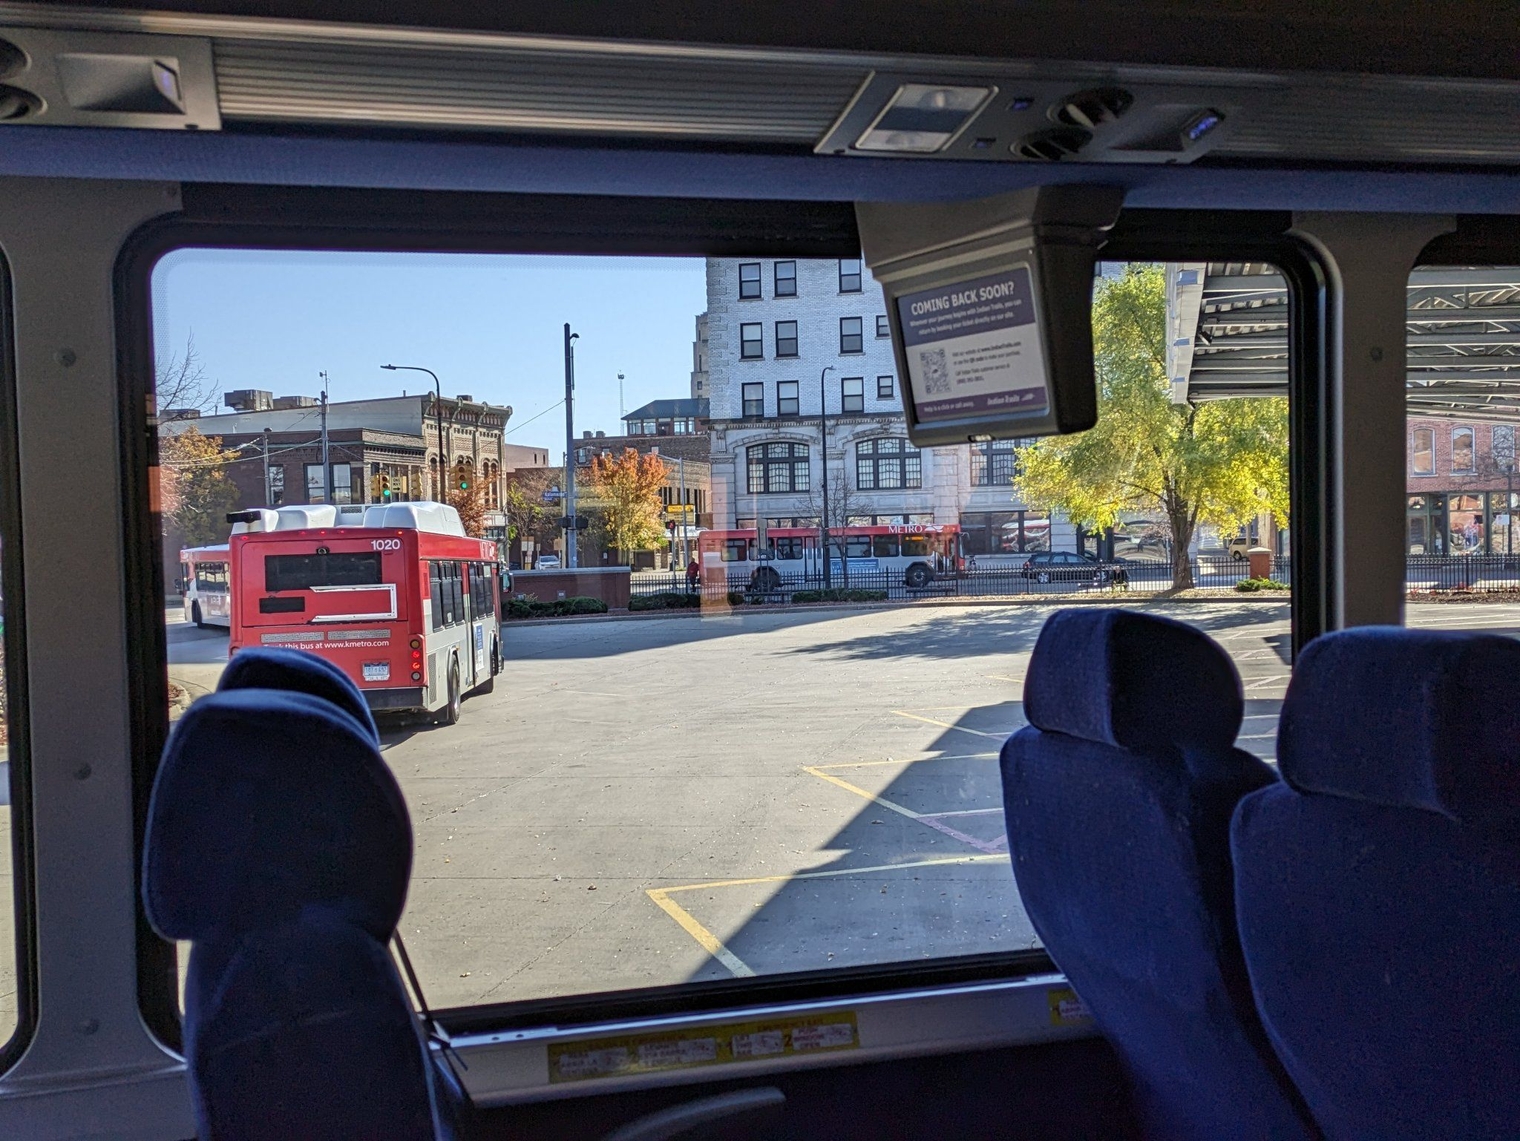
[778, 466]
[1462, 453]
[1422, 449]
[886, 464]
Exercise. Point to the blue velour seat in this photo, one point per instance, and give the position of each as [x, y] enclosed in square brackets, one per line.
[1118, 797]
[263, 667]
[278, 843]
[1379, 887]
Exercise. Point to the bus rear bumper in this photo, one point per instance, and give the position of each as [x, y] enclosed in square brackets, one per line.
[396, 700]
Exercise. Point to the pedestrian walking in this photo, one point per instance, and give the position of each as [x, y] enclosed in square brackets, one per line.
[693, 572]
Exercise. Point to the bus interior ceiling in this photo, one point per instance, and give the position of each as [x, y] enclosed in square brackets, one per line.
[759, 842]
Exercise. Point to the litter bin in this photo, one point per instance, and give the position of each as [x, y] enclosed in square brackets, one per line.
[1260, 561]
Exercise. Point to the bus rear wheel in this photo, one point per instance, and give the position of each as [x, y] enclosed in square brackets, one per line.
[195, 616]
[449, 714]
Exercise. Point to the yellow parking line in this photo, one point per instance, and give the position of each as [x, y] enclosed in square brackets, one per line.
[708, 941]
[906, 761]
[737, 966]
[936, 861]
[947, 725]
[858, 791]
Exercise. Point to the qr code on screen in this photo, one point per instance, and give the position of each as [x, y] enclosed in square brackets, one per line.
[935, 372]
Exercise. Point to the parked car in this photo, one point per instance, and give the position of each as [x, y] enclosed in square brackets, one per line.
[1065, 566]
[547, 562]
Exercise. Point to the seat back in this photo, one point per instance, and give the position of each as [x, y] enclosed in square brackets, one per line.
[273, 668]
[1379, 887]
[1118, 797]
[279, 845]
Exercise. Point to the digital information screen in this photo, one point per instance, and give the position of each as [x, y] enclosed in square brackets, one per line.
[973, 348]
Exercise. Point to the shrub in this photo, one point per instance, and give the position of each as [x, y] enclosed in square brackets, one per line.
[838, 595]
[1251, 585]
[665, 600]
[525, 606]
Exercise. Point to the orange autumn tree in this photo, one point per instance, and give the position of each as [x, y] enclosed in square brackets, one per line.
[628, 489]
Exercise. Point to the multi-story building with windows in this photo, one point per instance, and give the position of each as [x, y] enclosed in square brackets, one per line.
[798, 353]
[1464, 491]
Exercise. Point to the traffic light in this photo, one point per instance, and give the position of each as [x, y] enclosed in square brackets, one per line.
[385, 487]
[670, 525]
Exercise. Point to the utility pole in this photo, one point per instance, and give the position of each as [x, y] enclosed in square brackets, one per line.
[570, 338]
[823, 457]
[326, 470]
[268, 491]
[621, 408]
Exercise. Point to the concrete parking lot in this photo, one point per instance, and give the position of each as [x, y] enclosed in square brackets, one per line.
[644, 802]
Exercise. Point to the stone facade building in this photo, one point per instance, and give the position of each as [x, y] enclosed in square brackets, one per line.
[788, 339]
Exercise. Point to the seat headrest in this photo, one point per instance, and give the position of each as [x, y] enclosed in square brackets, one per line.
[268, 801]
[1407, 718]
[269, 668]
[1132, 680]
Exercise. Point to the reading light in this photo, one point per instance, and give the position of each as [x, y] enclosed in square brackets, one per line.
[922, 118]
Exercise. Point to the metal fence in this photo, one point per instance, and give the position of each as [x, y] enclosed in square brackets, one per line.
[991, 581]
[1462, 572]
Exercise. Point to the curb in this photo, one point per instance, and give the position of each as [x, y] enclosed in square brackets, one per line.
[726, 611]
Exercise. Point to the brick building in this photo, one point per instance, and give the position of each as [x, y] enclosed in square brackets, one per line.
[402, 432]
[1463, 489]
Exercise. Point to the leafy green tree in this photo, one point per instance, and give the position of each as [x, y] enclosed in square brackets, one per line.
[1220, 462]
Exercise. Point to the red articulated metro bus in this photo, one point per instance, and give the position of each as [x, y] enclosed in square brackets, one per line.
[404, 602]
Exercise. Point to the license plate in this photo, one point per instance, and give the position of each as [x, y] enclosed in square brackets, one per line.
[377, 671]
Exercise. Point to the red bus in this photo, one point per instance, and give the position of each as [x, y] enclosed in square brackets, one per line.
[921, 552]
[404, 602]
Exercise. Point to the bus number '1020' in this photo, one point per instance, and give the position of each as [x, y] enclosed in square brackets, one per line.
[387, 544]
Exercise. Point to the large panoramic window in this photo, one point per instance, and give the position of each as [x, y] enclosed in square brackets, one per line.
[887, 463]
[1462, 506]
[787, 772]
[778, 466]
[994, 463]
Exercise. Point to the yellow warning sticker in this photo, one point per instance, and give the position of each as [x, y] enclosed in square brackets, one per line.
[702, 1046]
[1066, 1009]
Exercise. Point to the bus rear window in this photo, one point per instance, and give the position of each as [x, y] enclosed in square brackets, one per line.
[304, 572]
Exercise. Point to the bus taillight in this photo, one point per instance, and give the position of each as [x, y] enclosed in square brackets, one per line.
[416, 659]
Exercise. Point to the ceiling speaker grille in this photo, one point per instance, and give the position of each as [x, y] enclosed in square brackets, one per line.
[527, 90]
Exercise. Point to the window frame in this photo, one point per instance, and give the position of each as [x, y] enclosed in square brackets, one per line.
[752, 408]
[777, 279]
[796, 461]
[883, 326]
[871, 460]
[782, 399]
[1414, 451]
[846, 275]
[886, 387]
[858, 336]
[1472, 449]
[745, 342]
[758, 293]
[23, 901]
[388, 221]
[780, 340]
[852, 403]
[988, 457]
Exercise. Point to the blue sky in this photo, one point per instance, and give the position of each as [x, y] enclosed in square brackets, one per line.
[488, 325]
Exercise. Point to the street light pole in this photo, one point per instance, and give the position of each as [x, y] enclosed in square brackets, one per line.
[438, 414]
[823, 458]
[268, 493]
[570, 536]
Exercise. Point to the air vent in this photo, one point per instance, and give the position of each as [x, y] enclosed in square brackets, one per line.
[12, 58]
[1052, 145]
[1095, 107]
[17, 104]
